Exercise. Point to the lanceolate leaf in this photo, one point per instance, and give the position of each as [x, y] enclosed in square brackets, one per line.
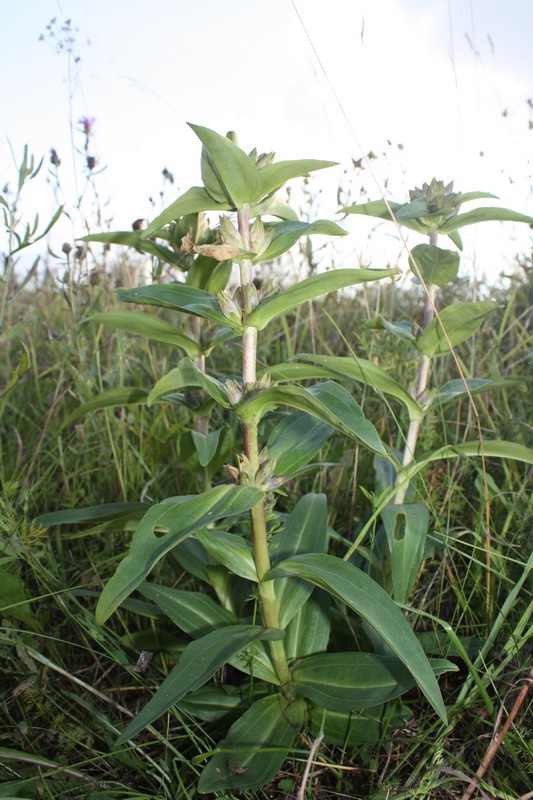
[305, 531]
[406, 527]
[149, 326]
[206, 445]
[460, 321]
[231, 550]
[178, 296]
[194, 200]
[310, 288]
[309, 630]
[255, 747]
[328, 402]
[349, 681]
[136, 240]
[107, 511]
[358, 591]
[274, 176]
[239, 177]
[162, 528]
[198, 663]
[295, 441]
[489, 214]
[178, 379]
[457, 388]
[380, 209]
[121, 396]
[288, 232]
[194, 613]
[351, 728]
[359, 370]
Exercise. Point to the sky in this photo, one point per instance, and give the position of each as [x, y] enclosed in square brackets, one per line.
[431, 87]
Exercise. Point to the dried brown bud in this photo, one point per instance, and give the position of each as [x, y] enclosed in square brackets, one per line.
[54, 158]
[91, 162]
[139, 224]
[67, 248]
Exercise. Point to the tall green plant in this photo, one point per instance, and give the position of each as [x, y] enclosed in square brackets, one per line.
[276, 587]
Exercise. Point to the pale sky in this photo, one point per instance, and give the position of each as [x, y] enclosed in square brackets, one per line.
[446, 79]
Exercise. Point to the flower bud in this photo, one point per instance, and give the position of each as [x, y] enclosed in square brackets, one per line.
[260, 238]
[229, 307]
[233, 391]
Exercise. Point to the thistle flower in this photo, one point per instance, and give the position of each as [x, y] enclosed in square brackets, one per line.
[87, 124]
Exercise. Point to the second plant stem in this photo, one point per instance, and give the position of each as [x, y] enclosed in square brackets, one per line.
[267, 596]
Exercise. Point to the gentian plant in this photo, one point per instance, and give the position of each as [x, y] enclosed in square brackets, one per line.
[270, 590]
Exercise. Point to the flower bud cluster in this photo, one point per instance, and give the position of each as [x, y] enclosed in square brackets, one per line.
[440, 199]
[263, 478]
[230, 305]
[262, 160]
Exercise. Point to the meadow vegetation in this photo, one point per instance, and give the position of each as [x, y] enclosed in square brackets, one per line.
[398, 425]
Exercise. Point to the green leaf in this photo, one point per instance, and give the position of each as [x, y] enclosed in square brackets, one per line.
[194, 200]
[256, 661]
[177, 296]
[457, 390]
[208, 274]
[346, 728]
[273, 206]
[106, 511]
[380, 209]
[305, 531]
[137, 240]
[435, 265]
[328, 401]
[149, 326]
[295, 441]
[20, 370]
[162, 528]
[358, 591]
[113, 398]
[178, 379]
[211, 702]
[210, 385]
[460, 320]
[256, 746]
[287, 233]
[489, 214]
[309, 630]
[355, 370]
[238, 177]
[350, 681]
[231, 550]
[14, 601]
[206, 445]
[310, 288]
[274, 176]
[194, 613]
[406, 527]
[198, 663]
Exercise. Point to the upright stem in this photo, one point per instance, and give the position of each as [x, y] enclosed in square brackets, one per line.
[267, 597]
[422, 381]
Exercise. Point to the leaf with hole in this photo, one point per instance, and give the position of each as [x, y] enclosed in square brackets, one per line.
[406, 527]
[358, 591]
[198, 663]
[162, 528]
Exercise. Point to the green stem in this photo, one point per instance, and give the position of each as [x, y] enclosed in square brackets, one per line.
[267, 596]
[422, 381]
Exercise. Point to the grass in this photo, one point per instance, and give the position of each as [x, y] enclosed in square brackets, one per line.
[69, 686]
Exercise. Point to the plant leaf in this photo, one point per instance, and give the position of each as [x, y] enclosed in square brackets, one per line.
[460, 320]
[435, 265]
[355, 370]
[206, 445]
[274, 176]
[237, 174]
[328, 401]
[149, 326]
[305, 531]
[357, 590]
[231, 550]
[406, 527]
[177, 518]
[456, 389]
[198, 663]
[350, 681]
[310, 288]
[489, 214]
[106, 511]
[137, 240]
[380, 209]
[256, 746]
[287, 233]
[194, 613]
[192, 201]
[295, 441]
[112, 398]
[309, 630]
[345, 728]
[178, 379]
[177, 296]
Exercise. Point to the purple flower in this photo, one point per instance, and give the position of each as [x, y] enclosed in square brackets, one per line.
[87, 124]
